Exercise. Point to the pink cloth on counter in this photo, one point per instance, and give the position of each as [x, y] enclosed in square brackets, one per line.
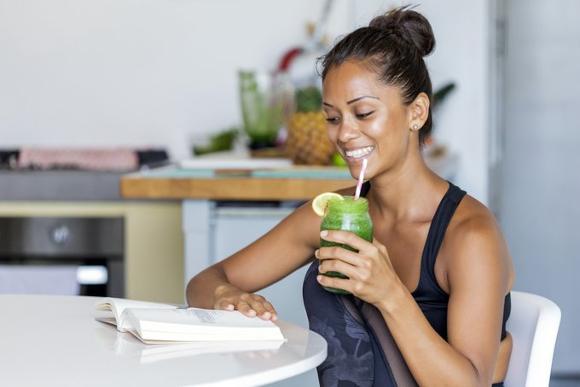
[91, 159]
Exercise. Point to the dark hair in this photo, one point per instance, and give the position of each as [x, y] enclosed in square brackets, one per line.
[393, 45]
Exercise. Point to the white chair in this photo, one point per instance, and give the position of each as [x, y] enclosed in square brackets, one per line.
[533, 324]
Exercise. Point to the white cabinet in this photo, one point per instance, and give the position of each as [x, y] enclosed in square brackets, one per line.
[214, 232]
[237, 227]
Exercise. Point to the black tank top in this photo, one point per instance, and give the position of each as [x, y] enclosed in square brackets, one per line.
[433, 300]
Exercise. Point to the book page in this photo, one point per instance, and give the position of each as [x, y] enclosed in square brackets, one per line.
[195, 324]
[196, 317]
[118, 305]
[219, 317]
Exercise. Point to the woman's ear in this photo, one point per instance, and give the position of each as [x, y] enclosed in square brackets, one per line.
[418, 111]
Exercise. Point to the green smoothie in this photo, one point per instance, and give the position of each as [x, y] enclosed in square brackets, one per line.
[349, 215]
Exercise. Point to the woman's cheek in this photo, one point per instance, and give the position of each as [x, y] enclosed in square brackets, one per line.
[332, 134]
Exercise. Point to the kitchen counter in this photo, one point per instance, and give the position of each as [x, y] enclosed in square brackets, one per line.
[59, 185]
[288, 184]
[298, 183]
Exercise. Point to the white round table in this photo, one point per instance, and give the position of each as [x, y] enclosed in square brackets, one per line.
[55, 341]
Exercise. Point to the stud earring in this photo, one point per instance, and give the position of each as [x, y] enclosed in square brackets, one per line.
[415, 127]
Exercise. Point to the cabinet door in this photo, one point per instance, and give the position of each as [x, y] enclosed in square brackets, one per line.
[235, 228]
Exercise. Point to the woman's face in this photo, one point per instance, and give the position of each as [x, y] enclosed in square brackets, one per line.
[365, 119]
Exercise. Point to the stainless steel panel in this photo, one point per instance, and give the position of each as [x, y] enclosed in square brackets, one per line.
[62, 236]
[116, 284]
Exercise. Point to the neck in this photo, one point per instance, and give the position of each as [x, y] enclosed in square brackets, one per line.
[408, 191]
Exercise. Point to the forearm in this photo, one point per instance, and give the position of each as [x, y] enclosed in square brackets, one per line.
[431, 360]
[202, 288]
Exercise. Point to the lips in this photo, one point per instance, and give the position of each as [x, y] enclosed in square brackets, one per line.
[359, 153]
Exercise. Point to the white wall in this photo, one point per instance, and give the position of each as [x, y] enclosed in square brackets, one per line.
[153, 72]
[137, 72]
[462, 55]
[541, 184]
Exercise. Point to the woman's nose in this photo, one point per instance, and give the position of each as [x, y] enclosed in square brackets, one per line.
[347, 132]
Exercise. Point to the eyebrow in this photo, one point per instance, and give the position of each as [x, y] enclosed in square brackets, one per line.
[353, 100]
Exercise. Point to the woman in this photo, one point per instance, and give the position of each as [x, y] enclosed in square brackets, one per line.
[430, 294]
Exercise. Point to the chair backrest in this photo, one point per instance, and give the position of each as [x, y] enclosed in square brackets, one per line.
[533, 324]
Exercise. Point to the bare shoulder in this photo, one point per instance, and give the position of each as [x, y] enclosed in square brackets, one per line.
[474, 241]
[472, 217]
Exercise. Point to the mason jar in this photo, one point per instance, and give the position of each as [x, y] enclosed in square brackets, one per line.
[351, 215]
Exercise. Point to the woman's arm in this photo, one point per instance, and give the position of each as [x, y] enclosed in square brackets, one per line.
[478, 268]
[230, 284]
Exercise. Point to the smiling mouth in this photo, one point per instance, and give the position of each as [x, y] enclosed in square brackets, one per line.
[359, 153]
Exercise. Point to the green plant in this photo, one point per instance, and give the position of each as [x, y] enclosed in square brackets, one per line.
[439, 95]
[308, 99]
[442, 93]
[221, 141]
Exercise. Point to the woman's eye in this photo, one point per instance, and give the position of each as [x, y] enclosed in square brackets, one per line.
[361, 116]
[332, 120]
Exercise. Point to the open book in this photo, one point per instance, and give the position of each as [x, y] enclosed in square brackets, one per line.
[154, 323]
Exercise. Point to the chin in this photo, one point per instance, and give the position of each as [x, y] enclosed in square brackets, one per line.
[354, 167]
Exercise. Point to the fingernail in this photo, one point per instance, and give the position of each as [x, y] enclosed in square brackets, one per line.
[316, 253]
[252, 312]
[319, 278]
[230, 307]
[323, 233]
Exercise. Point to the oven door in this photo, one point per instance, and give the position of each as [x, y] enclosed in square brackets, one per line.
[62, 255]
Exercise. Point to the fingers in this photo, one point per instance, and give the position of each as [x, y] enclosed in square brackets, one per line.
[270, 308]
[348, 238]
[255, 304]
[334, 282]
[224, 296]
[337, 252]
[250, 305]
[224, 304]
[245, 308]
[260, 307]
[337, 265]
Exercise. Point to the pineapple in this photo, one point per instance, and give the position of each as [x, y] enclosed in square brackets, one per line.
[308, 142]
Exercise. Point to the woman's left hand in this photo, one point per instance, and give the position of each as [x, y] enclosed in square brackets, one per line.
[371, 276]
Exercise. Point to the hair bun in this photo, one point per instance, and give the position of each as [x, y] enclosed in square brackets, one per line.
[408, 25]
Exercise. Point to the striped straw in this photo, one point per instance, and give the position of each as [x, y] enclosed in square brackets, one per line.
[361, 178]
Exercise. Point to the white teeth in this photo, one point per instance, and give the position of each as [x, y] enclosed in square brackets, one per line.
[361, 152]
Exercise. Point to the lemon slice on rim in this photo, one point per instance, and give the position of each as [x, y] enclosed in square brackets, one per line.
[321, 201]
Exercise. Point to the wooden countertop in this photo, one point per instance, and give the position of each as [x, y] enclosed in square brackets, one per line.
[293, 183]
[288, 184]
